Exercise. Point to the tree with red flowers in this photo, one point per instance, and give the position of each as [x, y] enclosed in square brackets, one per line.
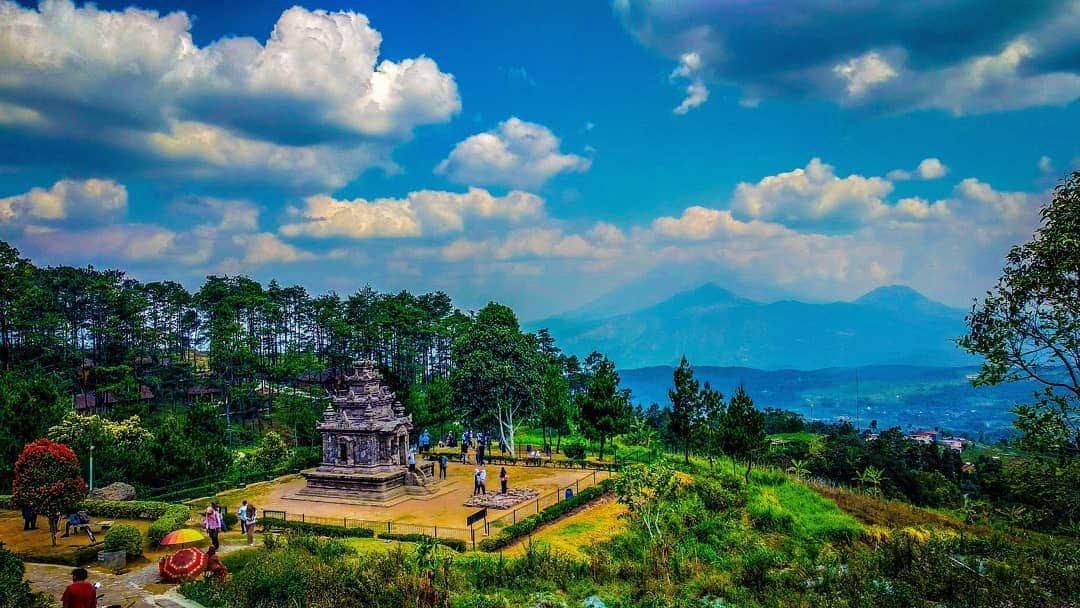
[47, 480]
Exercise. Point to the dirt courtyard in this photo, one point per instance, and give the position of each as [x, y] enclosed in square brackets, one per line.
[446, 508]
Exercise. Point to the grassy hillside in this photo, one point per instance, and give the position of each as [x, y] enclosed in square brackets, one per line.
[693, 536]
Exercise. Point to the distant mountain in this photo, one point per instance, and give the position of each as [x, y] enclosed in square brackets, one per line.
[888, 326]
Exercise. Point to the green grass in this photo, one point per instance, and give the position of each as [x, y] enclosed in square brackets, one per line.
[794, 509]
[801, 437]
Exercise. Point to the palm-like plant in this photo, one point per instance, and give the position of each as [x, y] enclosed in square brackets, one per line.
[798, 468]
[870, 480]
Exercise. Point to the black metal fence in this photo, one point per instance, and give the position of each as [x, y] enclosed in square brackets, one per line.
[538, 504]
[381, 528]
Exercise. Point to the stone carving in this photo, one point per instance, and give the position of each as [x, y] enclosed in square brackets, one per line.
[365, 435]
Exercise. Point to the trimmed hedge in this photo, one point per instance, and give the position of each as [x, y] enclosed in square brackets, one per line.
[113, 509]
[77, 557]
[317, 529]
[174, 518]
[454, 543]
[126, 538]
[526, 526]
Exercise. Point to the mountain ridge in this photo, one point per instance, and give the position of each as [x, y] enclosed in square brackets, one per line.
[711, 325]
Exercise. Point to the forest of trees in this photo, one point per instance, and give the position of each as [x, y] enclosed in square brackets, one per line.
[182, 376]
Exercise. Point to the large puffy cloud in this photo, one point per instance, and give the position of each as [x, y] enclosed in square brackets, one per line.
[422, 213]
[516, 153]
[963, 56]
[313, 99]
[815, 198]
[86, 201]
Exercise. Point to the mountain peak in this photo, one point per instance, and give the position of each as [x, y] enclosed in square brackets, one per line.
[892, 294]
[901, 298]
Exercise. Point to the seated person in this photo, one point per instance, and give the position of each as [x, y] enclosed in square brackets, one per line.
[74, 520]
[214, 567]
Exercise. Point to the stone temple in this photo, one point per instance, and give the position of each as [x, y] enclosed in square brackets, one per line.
[365, 437]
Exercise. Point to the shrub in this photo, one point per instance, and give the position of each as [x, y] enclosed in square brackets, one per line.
[237, 560]
[125, 509]
[454, 543]
[125, 537]
[174, 518]
[231, 520]
[720, 495]
[318, 529]
[574, 450]
[14, 591]
[5, 502]
[47, 478]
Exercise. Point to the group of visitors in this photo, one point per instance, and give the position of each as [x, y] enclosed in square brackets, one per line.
[214, 522]
[480, 481]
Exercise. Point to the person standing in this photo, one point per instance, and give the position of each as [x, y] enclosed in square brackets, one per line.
[483, 481]
[442, 466]
[476, 481]
[504, 478]
[464, 452]
[480, 454]
[241, 514]
[79, 594]
[29, 516]
[250, 513]
[212, 523]
[412, 460]
[221, 518]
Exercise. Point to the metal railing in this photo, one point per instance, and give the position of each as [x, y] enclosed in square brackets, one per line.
[538, 504]
[380, 528]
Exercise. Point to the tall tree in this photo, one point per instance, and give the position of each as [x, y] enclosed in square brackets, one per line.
[47, 480]
[1028, 326]
[744, 430]
[556, 410]
[710, 428]
[604, 408]
[497, 372]
[685, 406]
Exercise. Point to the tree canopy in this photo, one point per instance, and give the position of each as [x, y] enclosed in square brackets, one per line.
[1028, 326]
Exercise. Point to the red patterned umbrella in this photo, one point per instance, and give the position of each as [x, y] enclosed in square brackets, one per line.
[184, 565]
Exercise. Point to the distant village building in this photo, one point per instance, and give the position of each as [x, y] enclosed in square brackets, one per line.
[88, 403]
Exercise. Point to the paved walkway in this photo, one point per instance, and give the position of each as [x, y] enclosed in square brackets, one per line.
[138, 588]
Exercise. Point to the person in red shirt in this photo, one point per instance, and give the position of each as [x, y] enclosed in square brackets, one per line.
[79, 594]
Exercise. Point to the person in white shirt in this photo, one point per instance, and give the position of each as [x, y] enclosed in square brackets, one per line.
[483, 481]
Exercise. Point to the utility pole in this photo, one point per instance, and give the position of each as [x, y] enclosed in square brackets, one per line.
[91, 468]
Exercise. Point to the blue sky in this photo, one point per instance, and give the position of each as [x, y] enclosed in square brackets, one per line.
[537, 154]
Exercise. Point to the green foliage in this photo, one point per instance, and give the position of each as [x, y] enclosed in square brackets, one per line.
[603, 408]
[174, 518]
[30, 402]
[271, 453]
[1029, 324]
[647, 491]
[14, 590]
[574, 450]
[685, 406]
[497, 372]
[318, 529]
[743, 434]
[526, 526]
[124, 537]
[453, 543]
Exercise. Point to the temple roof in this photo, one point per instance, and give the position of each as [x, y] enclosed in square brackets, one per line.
[366, 404]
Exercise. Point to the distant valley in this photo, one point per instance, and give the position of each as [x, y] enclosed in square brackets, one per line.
[907, 396]
[893, 341]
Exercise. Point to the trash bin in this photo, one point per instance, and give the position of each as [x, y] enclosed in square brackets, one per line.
[113, 560]
[569, 493]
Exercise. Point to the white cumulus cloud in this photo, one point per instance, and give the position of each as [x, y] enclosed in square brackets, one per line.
[929, 168]
[94, 201]
[516, 154]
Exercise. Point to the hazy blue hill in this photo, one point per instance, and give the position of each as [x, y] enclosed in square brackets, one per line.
[712, 326]
[915, 396]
